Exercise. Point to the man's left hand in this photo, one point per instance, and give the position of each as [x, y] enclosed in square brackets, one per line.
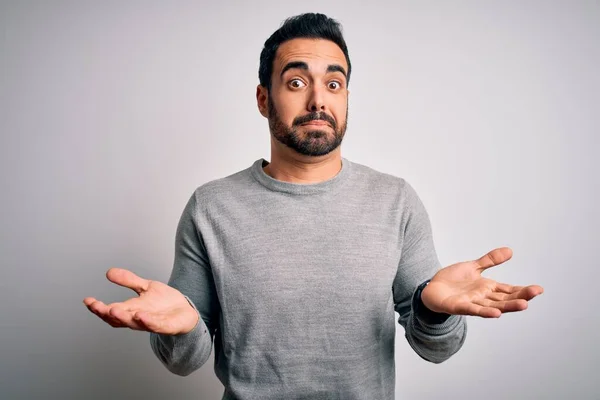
[461, 290]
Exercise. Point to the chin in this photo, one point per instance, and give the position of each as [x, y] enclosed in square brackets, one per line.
[315, 133]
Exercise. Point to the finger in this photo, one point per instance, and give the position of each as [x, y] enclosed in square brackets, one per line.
[126, 318]
[113, 314]
[506, 288]
[528, 292]
[128, 279]
[98, 307]
[113, 322]
[494, 257]
[504, 306]
[497, 296]
[478, 310]
[88, 300]
[140, 322]
[132, 304]
[103, 311]
[520, 292]
[535, 290]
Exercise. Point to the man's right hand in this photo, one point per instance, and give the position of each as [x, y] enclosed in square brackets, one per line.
[159, 308]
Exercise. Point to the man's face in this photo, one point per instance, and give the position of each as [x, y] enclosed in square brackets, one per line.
[308, 101]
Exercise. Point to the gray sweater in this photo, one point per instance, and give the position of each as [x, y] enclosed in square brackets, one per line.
[298, 283]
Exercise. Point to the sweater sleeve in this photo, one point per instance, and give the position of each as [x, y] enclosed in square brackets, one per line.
[192, 276]
[434, 337]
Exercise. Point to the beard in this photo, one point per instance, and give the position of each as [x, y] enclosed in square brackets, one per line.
[315, 142]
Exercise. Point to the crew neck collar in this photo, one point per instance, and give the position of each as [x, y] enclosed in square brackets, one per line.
[299, 188]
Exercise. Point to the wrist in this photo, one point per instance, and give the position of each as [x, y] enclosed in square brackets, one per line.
[422, 311]
[194, 316]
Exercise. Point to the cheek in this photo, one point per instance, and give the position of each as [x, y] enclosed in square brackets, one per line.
[290, 107]
[339, 113]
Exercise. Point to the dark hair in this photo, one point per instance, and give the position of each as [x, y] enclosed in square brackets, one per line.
[309, 25]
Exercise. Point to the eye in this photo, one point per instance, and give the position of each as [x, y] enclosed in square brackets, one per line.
[296, 83]
[334, 85]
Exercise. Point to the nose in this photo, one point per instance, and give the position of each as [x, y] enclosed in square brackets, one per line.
[316, 101]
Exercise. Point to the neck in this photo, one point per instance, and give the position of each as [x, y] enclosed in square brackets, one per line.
[289, 166]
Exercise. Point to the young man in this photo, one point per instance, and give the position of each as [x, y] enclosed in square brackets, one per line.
[294, 267]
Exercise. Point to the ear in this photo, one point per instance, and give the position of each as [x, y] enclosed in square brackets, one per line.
[262, 98]
[347, 98]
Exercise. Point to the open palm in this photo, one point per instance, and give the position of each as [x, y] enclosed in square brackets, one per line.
[159, 308]
[460, 289]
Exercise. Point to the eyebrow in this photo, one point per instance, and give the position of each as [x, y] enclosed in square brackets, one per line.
[304, 66]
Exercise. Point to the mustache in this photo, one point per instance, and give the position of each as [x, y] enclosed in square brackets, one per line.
[315, 116]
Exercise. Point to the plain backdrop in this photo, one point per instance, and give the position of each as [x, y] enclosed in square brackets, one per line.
[112, 113]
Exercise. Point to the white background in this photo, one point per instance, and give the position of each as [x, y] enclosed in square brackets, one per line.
[112, 113]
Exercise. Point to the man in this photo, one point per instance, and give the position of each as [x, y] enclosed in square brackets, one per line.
[294, 267]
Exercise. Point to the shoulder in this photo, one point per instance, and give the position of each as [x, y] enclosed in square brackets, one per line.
[380, 181]
[223, 188]
[387, 190]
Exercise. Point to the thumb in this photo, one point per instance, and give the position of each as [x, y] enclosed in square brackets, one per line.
[128, 279]
[493, 258]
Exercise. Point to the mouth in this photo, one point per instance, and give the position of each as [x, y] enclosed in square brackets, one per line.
[316, 123]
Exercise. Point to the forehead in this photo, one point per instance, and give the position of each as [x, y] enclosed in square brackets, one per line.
[311, 51]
